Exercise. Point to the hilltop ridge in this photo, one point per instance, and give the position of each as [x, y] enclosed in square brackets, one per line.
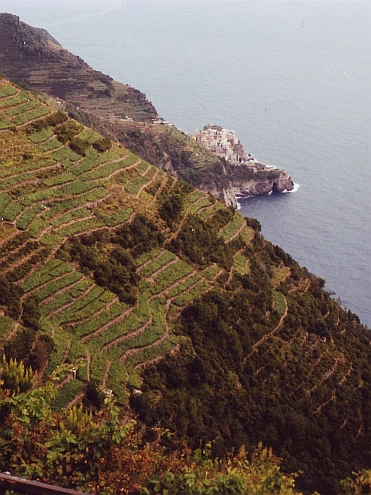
[31, 56]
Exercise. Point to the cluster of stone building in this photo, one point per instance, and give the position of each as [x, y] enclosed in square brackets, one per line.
[223, 143]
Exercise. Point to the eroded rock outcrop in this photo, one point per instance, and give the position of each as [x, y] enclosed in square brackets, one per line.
[246, 176]
[278, 181]
[247, 183]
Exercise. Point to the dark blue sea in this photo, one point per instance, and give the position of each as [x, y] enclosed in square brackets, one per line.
[291, 78]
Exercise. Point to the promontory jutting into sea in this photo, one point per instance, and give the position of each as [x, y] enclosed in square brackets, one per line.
[292, 79]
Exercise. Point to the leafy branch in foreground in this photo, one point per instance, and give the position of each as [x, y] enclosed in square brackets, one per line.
[237, 475]
[36, 442]
[104, 454]
[15, 377]
[359, 484]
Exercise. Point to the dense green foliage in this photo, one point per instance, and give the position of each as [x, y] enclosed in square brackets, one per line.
[199, 243]
[140, 236]
[171, 209]
[102, 145]
[215, 393]
[10, 296]
[115, 270]
[101, 455]
[67, 130]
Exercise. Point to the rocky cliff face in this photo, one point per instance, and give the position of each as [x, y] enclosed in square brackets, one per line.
[245, 181]
[250, 187]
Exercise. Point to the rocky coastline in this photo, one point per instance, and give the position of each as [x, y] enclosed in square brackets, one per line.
[247, 177]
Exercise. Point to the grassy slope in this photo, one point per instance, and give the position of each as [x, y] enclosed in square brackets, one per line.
[266, 355]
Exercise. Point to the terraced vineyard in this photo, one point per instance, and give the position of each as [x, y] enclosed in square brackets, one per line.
[109, 265]
[52, 191]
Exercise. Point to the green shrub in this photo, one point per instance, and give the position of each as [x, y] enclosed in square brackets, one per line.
[57, 118]
[68, 130]
[15, 376]
[102, 145]
[79, 146]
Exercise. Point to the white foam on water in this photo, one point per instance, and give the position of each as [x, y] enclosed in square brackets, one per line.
[296, 187]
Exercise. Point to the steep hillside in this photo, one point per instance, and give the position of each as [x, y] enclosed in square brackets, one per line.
[32, 57]
[160, 293]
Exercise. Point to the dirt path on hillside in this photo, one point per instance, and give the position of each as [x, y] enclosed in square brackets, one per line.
[266, 336]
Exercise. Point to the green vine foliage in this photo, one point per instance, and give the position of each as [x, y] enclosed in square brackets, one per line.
[105, 454]
[35, 442]
[203, 475]
[15, 377]
[359, 484]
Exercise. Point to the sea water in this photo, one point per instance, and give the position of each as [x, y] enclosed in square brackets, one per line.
[292, 79]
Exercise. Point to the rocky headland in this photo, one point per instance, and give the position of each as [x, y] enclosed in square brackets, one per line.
[247, 176]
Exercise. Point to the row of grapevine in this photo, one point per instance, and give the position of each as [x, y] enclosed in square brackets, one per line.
[195, 291]
[185, 284]
[134, 320]
[147, 257]
[21, 109]
[117, 218]
[97, 321]
[42, 135]
[87, 306]
[30, 166]
[62, 299]
[134, 186]
[208, 211]
[153, 328]
[57, 284]
[70, 216]
[51, 144]
[25, 118]
[65, 153]
[6, 91]
[64, 205]
[13, 101]
[170, 275]
[28, 216]
[199, 205]
[104, 171]
[157, 262]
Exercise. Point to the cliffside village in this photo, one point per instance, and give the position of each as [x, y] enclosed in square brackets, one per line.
[224, 143]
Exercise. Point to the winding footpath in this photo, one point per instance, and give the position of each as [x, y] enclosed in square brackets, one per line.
[267, 335]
